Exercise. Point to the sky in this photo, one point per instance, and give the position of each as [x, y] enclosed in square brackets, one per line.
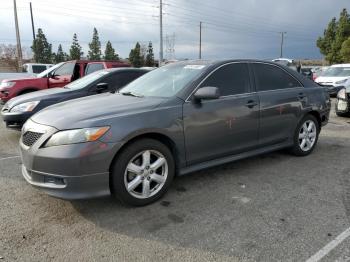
[230, 29]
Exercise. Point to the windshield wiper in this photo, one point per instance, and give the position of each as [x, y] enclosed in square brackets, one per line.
[130, 94]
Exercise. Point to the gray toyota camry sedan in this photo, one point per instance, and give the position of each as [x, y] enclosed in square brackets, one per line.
[177, 119]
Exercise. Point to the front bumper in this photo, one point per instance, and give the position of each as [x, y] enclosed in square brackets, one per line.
[76, 171]
[342, 106]
[15, 120]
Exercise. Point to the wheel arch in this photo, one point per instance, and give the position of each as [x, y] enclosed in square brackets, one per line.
[166, 140]
[317, 115]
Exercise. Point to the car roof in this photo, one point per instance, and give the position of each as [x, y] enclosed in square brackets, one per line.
[341, 65]
[128, 69]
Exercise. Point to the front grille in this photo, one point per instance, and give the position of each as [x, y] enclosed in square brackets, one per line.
[29, 138]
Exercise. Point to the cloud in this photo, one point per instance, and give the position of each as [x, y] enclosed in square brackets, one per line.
[241, 28]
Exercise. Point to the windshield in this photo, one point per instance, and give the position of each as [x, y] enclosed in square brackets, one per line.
[86, 80]
[165, 81]
[44, 73]
[337, 72]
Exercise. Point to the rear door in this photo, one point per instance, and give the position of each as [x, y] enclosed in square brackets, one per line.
[282, 99]
[224, 126]
[62, 75]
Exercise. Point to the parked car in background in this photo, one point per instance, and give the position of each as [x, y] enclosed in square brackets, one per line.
[287, 62]
[56, 76]
[335, 78]
[17, 110]
[34, 68]
[177, 119]
[307, 71]
[342, 105]
[318, 71]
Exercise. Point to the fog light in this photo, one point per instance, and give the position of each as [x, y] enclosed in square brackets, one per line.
[53, 180]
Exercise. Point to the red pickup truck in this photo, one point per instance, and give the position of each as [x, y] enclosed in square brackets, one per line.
[56, 76]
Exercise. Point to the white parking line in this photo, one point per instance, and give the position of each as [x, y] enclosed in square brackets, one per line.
[10, 157]
[329, 247]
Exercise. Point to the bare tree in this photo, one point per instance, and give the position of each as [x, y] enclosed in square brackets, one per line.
[8, 56]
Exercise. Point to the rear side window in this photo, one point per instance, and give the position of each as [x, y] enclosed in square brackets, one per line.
[269, 77]
[38, 68]
[231, 79]
[93, 67]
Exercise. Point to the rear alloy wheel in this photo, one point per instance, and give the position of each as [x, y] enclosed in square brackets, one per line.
[142, 173]
[306, 136]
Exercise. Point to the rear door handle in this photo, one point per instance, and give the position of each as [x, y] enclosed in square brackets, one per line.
[251, 103]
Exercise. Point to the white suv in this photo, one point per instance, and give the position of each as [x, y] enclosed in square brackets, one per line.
[335, 78]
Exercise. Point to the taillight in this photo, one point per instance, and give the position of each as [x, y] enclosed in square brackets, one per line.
[314, 77]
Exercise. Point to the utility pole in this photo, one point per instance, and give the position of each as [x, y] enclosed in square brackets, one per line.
[282, 40]
[19, 49]
[200, 40]
[161, 33]
[31, 16]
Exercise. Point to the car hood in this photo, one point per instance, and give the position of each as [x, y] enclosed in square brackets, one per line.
[95, 110]
[330, 80]
[19, 78]
[47, 94]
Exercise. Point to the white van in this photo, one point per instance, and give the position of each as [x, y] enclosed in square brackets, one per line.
[33, 68]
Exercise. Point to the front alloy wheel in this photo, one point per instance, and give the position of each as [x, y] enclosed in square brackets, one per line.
[145, 174]
[142, 172]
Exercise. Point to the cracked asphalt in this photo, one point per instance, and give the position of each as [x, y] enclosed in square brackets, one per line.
[274, 207]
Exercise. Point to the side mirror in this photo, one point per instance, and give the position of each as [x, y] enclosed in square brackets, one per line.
[207, 93]
[100, 87]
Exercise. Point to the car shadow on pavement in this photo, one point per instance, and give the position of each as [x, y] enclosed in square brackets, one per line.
[235, 208]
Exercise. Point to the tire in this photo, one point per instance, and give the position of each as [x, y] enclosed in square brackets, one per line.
[133, 169]
[301, 148]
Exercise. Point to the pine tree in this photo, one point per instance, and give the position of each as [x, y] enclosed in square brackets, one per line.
[333, 38]
[110, 54]
[150, 55]
[95, 47]
[42, 50]
[60, 56]
[135, 56]
[345, 51]
[325, 43]
[342, 34]
[75, 51]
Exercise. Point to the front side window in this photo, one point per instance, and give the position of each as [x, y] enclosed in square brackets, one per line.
[86, 80]
[121, 79]
[270, 77]
[231, 79]
[65, 69]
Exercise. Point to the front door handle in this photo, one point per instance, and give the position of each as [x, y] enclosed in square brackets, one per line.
[301, 96]
[251, 103]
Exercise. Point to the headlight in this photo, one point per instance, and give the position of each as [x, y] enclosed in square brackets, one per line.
[342, 94]
[25, 107]
[341, 81]
[7, 84]
[75, 136]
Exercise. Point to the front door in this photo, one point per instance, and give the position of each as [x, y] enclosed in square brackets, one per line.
[224, 126]
[62, 75]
